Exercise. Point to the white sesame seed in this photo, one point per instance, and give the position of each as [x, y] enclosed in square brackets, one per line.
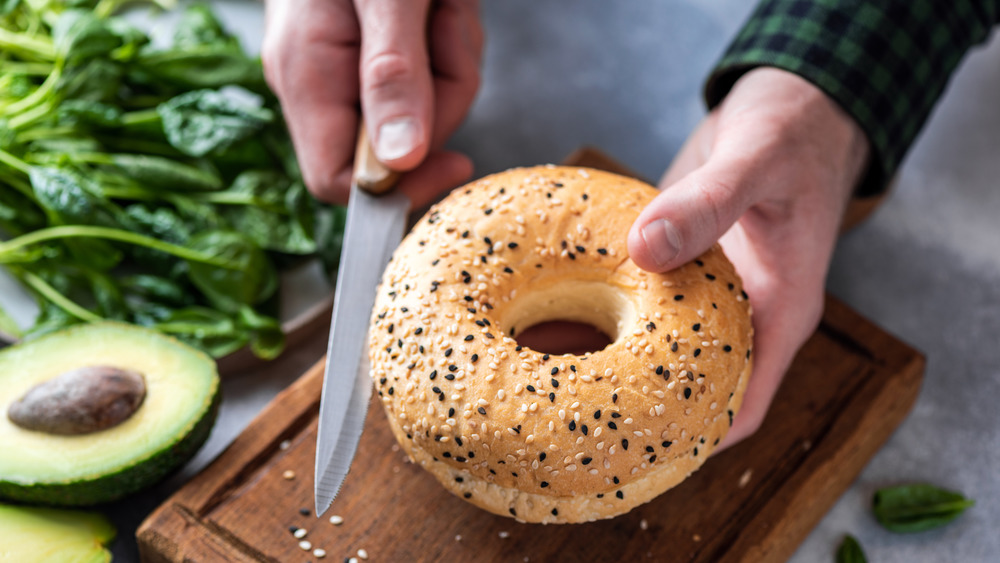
[319, 553]
[336, 520]
[300, 533]
[504, 534]
[363, 554]
[304, 545]
[288, 475]
[285, 444]
[643, 525]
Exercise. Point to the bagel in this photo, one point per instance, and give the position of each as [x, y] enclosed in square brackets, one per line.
[542, 437]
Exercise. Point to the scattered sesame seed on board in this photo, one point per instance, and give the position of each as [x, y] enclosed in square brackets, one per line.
[363, 554]
[288, 475]
[319, 553]
[745, 478]
[304, 545]
[300, 533]
[643, 524]
[336, 520]
[504, 534]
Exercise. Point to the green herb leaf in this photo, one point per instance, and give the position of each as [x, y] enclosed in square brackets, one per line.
[203, 121]
[80, 35]
[850, 551]
[249, 279]
[918, 507]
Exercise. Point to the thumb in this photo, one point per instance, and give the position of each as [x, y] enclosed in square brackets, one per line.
[396, 84]
[688, 217]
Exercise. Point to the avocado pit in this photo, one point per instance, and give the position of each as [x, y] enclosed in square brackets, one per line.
[80, 401]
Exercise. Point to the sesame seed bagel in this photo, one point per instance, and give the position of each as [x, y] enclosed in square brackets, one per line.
[554, 438]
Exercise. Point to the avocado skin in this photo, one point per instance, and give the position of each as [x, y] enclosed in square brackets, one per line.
[107, 488]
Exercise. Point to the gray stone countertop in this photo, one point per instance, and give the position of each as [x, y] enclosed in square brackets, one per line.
[626, 77]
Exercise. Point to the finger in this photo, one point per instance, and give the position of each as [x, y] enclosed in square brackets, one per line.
[688, 217]
[441, 170]
[396, 87]
[456, 45]
[310, 55]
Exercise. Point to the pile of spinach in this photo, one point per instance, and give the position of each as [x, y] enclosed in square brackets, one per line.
[155, 185]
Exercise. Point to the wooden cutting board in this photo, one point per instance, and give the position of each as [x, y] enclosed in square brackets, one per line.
[849, 387]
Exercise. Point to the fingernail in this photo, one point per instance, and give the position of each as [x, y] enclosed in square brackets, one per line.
[663, 241]
[396, 138]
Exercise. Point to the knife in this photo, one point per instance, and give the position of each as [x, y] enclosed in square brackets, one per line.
[376, 219]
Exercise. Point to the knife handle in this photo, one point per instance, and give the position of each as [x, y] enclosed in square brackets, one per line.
[370, 174]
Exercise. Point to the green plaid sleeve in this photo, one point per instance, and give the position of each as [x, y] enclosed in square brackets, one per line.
[885, 62]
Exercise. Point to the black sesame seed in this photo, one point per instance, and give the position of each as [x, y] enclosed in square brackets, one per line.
[458, 441]
[649, 449]
[467, 495]
[530, 388]
[697, 352]
[469, 337]
[678, 297]
[571, 255]
[572, 425]
[612, 425]
[555, 512]
[554, 382]
[585, 197]
[583, 428]
[391, 390]
[511, 245]
[293, 529]
[488, 211]
[451, 412]
[446, 454]
[620, 494]
[465, 234]
[696, 452]
[616, 415]
[304, 511]
[441, 397]
[460, 459]
[614, 398]
[625, 444]
[652, 459]
[586, 460]
[512, 512]
[449, 377]
[452, 367]
[508, 270]
[572, 368]
[552, 397]
[727, 348]
[474, 358]
[554, 371]
[659, 370]
[490, 335]
[481, 410]
[436, 389]
[519, 348]
[600, 495]
[602, 250]
[433, 375]
[381, 381]
[709, 277]
[687, 392]
[580, 249]
[545, 358]
[468, 298]
[673, 347]
[597, 414]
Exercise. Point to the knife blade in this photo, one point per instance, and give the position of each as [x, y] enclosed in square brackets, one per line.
[375, 225]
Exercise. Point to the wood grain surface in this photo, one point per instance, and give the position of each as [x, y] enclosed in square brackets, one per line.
[849, 387]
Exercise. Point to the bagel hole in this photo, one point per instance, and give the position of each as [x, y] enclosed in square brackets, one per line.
[569, 317]
[564, 337]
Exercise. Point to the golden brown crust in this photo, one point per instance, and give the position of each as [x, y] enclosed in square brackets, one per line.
[554, 438]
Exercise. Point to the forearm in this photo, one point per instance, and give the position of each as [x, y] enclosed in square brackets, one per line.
[886, 63]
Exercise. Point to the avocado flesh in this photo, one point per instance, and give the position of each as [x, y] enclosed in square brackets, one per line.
[50, 534]
[182, 394]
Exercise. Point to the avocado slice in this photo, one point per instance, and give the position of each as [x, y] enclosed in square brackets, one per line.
[173, 420]
[53, 534]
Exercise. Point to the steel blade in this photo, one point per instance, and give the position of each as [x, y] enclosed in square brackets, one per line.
[375, 225]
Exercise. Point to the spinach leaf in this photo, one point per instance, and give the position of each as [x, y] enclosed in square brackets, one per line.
[99, 79]
[203, 121]
[204, 328]
[89, 113]
[157, 288]
[267, 340]
[79, 35]
[918, 507]
[157, 172]
[199, 26]
[212, 65]
[850, 551]
[250, 279]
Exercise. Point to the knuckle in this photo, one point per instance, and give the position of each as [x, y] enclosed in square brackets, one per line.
[387, 69]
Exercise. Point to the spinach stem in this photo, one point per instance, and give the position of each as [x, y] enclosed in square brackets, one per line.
[53, 233]
[60, 300]
[35, 97]
[27, 44]
[14, 162]
[141, 116]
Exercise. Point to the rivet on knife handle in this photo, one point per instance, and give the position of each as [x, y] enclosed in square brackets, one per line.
[370, 174]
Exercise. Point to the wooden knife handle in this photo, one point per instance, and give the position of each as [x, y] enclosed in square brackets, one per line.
[370, 174]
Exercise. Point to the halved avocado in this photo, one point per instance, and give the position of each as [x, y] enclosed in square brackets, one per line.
[53, 534]
[173, 420]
